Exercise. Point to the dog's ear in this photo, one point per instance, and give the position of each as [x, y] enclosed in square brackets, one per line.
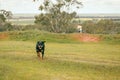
[37, 42]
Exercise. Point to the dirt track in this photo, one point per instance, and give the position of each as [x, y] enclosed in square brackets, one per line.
[86, 37]
[3, 36]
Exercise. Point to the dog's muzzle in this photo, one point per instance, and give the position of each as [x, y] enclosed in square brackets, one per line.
[39, 47]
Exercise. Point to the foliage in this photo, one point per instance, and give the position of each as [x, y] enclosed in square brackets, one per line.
[110, 38]
[2, 18]
[101, 27]
[8, 26]
[57, 15]
[7, 14]
[4, 25]
[35, 35]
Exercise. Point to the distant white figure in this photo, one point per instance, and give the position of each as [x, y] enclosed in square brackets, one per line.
[79, 28]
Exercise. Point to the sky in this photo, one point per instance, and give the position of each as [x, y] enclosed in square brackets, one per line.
[89, 6]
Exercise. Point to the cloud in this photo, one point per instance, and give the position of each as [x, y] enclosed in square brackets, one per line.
[101, 6]
[20, 6]
[89, 6]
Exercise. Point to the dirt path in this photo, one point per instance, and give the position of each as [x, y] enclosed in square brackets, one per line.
[3, 36]
[86, 37]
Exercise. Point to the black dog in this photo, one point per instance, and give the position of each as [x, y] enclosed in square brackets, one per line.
[40, 48]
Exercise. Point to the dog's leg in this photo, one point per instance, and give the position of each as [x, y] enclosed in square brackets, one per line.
[42, 54]
[38, 54]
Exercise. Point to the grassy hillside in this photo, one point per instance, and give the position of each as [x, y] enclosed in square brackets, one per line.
[66, 57]
[35, 35]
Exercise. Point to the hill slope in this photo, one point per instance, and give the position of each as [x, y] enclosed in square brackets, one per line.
[36, 35]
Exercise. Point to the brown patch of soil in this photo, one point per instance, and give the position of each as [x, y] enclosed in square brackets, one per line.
[3, 36]
[86, 37]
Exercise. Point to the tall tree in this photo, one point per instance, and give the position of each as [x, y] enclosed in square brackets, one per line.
[57, 14]
[7, 14]
[2, 18]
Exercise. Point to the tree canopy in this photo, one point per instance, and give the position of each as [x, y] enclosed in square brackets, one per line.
[56, 15]
[4, 25]
[7, 14]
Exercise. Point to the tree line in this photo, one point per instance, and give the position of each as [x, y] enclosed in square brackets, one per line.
[57, 17]
[42, 22]
[103, 26]
[93, 27]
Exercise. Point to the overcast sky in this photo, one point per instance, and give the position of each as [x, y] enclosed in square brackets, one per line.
[90, 6]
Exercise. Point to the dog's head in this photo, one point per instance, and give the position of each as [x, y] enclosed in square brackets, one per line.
[41, 44]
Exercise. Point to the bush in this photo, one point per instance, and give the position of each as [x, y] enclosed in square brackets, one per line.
[101, 27]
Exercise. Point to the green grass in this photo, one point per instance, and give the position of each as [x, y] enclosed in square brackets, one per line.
[35, 35]
[65, 58]
[63, 61]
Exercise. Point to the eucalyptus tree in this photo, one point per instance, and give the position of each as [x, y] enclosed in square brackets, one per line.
[56, 15]
[2, 18]
[4, 25]
[6, 14]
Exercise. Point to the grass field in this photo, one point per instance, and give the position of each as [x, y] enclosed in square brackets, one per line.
[67, 60]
